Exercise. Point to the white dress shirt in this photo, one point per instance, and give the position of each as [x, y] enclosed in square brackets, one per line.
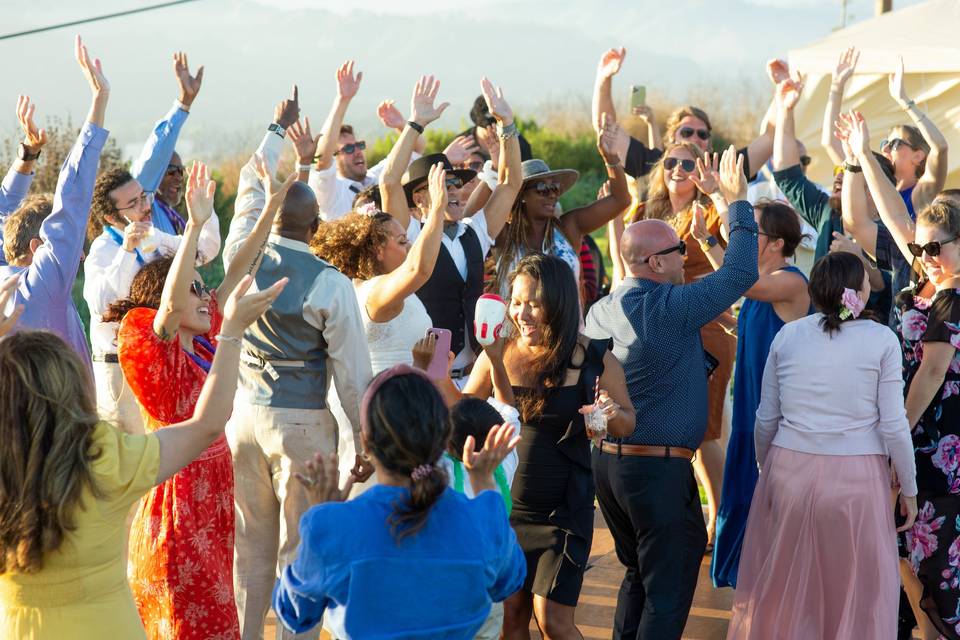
[335, 193]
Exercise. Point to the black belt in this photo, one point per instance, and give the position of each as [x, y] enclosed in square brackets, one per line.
[106, 357]
[462, 372]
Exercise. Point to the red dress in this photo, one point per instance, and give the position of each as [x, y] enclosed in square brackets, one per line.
[181, 542]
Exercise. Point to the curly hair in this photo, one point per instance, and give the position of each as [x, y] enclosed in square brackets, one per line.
[145, 291]
[47, 420]
[23, 226]
[350, 243]
[103, 204]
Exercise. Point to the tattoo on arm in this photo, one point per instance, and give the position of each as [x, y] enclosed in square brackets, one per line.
[256, 258]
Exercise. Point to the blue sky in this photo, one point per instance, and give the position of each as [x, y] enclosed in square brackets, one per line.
[539, 50]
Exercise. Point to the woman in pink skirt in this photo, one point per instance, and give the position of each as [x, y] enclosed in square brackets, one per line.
[820, 553]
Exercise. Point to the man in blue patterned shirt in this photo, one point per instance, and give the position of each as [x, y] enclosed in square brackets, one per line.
[645, 482]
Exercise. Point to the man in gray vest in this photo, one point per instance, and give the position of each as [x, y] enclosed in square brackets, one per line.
[280, 418]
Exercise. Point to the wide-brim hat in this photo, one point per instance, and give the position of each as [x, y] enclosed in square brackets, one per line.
[536, 169]
[419, 170]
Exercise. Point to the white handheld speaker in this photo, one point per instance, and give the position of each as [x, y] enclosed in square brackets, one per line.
[488, 318]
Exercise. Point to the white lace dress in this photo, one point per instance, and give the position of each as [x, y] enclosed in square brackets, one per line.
[391, 342]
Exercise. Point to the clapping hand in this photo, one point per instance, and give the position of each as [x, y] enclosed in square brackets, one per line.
[199, 196]
[698, 223]
[422, 109]
[189, 85]
[7, 290]
[733, 184]
[501, 440]
[788, 93]
[288, 111]
[496, 103]
[611, 62]
[242, 309]
[304, 141]
[846, 66]
[33, 138]
[347, 83]
[707, 175]
[778, 71]
[322, 480]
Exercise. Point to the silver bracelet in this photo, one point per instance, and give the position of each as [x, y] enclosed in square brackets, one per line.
[304, 167]
[231, 339]
[613, 165]
[509, 131]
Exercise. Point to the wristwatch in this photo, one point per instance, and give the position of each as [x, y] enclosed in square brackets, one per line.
[852, 168]
[24, 154]
[277, 129]
[709, 243]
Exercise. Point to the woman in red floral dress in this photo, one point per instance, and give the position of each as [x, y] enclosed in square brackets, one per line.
[181, 542]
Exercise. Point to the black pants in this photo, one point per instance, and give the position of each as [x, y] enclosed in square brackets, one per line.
[652, 508]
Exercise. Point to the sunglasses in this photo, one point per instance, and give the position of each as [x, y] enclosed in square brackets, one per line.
[454, 181]
[681, 248]
[199, 289]
[546, 188]
[687, 132]
[895, 143]
[473, 166]
[174, 169]
[350, 148]
[685, 165]
[805, 161]
[932, 248]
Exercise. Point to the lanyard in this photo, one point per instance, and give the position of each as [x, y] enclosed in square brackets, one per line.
[179, 224]
[116, 237]
[201, 362]
[499, 476]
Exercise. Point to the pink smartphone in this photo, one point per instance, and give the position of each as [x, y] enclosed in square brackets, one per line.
[438, 364]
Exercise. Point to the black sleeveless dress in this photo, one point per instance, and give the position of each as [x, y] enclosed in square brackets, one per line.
[553, 489]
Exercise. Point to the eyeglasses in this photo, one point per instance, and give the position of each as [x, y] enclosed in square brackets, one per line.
[175, 169]
[932, 248]
[145, 198]
[687, 132]
[199, 289]
[685, 165]
[681, 248]
[454, 181]
[350, 148]
[546, 188]
[473, 166]
[805, 161]
[895, 143]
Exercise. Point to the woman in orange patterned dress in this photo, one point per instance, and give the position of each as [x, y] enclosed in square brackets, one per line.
[181, 542]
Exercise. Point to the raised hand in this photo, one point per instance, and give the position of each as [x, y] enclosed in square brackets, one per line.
[322, 480]
[347, 83]
[852, 128]
[496, 103]
[501, 440]
[275, 190]
[778, 71]
[33, 138]
[199, 195]
[303, 141]
[607, 139]
[788, 93]
[242, 309]
[288, 111]
[707, 175]
[610, 62]
[390, 116]
[698, 223]
[846, 66]
[733, 184]
[7, 290]
[423, 351]
[437, 179]
[189, 85]
[460, 149]
[92, 69]
[422, 110]
[644, 112]
[603, 191]
[897, 91]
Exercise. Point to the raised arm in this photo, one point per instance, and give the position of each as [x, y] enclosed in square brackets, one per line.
[422, 113]
[761, 148]
[386, 297]
[584, 220]
[786, 151]
[16, 184]
[935, 172]
[510, 179]
[853, 204]
[610, 63]
[347, 87]
[846, 66]
[150, 166]
[893, 211]
[181, 443]
[390, 117]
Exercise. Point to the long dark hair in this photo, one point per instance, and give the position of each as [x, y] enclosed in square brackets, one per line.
[559, 298]
[408, 426]
[145, 291]
[832, 274]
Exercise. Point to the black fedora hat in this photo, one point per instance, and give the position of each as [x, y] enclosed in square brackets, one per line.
[419, 170]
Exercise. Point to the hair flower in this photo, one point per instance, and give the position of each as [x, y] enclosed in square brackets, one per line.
[850, 304]
[368, 209]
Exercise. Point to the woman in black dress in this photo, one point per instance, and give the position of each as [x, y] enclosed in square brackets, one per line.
[553, 371]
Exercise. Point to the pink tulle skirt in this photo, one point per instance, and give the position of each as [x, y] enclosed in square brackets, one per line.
[819, 555]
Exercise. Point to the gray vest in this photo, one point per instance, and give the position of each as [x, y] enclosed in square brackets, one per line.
[281, 334]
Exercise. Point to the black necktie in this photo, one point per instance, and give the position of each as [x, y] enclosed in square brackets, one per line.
[451, 228]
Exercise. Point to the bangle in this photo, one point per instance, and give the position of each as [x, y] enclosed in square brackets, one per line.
[852, 168]
[221, 338]
[509, 131]
[415, 126]
[612, 165]
[304, 167]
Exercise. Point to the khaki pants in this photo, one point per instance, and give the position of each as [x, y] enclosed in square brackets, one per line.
[269, 445]
[115, 401]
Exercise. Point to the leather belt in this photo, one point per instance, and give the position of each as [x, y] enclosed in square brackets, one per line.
[645, 450]
[463, 372]
[267, 366]
[106, 357]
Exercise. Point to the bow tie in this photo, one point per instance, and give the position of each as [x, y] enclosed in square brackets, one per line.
[450, 229]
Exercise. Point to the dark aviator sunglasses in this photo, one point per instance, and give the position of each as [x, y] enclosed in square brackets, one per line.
[685, 165]
[688, 132]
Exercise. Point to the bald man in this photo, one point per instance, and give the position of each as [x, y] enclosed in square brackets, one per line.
[281, 416]
[645, 483]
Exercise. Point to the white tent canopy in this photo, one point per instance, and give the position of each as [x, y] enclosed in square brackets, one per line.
[926, 35]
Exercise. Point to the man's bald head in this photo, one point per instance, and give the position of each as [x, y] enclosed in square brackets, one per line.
[641, 240]
[298, 215]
